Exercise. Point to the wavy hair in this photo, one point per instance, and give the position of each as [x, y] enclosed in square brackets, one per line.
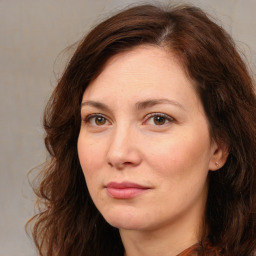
[68, 223]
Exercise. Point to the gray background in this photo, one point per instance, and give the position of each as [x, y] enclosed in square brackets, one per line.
[34, 34]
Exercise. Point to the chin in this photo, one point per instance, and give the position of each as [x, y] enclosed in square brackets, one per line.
[125, 220]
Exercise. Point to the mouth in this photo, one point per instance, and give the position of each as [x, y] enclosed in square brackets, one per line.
[125, 190]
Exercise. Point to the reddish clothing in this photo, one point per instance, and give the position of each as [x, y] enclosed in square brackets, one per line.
[201, 249]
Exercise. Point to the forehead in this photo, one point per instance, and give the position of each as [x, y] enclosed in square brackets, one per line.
[140, 74]
[142, 59]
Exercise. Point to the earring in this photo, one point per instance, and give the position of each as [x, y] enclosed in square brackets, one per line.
[217, 164]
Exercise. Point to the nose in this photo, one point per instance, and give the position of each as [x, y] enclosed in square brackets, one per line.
[123, 151]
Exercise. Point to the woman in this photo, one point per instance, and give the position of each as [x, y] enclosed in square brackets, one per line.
[151, 134]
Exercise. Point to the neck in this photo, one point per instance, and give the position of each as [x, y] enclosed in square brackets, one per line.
[160, 242]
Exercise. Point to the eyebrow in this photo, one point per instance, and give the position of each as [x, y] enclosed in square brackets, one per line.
[139, 105]
[152, 102]
[95, 104]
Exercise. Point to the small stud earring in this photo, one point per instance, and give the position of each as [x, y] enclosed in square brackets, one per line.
[217, 164]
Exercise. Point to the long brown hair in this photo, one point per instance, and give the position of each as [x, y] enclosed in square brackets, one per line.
[68, 222]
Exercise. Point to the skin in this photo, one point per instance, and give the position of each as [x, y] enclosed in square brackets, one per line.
[132, 141]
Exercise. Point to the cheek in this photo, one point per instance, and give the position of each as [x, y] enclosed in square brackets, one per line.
[180, 155]
[90, 152]
[90, 156]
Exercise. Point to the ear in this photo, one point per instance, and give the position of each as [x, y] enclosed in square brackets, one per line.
[220, 152]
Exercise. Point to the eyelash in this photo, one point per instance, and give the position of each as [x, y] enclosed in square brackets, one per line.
[167, 118]
[90, 117]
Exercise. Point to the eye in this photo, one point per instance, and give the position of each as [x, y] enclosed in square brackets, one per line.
[158, 119]
[96, 120]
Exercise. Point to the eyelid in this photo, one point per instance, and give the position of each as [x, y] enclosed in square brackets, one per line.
[87, 118]
[168, 118]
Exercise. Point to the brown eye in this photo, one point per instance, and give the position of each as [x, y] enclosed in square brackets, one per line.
[96, 120]
[159, 120]
[100, 120]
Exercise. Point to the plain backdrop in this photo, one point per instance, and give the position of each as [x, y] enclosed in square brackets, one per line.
[34, 34]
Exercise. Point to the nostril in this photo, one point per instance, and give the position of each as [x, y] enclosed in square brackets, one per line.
[109, 163]
[120, 165]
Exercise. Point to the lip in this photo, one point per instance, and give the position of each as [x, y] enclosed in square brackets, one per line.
[125, 190]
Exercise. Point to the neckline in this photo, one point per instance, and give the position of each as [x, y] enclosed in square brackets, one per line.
[193, 250]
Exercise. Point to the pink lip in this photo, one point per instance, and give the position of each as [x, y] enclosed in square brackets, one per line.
[124, 190]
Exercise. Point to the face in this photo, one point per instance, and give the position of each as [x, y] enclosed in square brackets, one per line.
[144, 144]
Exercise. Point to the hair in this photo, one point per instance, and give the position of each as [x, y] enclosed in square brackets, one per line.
[68, 223]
